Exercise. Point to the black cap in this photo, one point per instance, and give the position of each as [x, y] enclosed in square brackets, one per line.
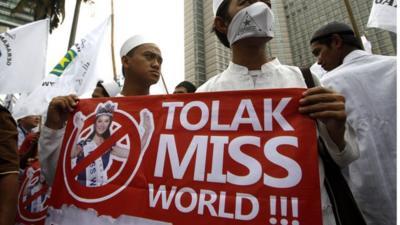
[342, 29]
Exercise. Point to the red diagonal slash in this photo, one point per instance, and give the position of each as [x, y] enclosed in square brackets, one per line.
[105, 146]
[33, 197]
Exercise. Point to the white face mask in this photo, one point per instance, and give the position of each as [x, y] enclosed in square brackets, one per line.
[255, 20]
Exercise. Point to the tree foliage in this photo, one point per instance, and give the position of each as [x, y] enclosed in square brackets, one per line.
[42, 9]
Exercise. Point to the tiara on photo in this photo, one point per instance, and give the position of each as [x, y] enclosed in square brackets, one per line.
[105, 109]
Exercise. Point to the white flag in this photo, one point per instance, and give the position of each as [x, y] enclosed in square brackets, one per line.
[383, 15]
[23, 57]
[74, 74]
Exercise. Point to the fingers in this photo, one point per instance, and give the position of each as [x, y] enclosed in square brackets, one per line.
[64, 103]
[72, 101]
[320, 94]
[58, 110]
[338, 115]
[323, 103]
[323, 106]
[67, 105]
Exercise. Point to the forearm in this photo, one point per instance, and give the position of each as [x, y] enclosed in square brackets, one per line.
[120, 152]
[49, 150]
[8, 198]
[343, 156]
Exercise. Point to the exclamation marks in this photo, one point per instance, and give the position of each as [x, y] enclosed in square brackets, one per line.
[272, 209]
[284, 209]
[295, 211]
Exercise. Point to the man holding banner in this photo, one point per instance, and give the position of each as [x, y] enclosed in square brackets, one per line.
[246, 27]
[141, 61]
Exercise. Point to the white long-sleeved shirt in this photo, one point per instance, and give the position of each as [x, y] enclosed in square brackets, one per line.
[369, 84]
[49, 151]
[275, 75]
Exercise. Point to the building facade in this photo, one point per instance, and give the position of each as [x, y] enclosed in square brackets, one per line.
[295, 21]
[304, 17]
[8, 19]
[204, 55]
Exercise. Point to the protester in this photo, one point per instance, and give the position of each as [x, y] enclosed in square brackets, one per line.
[28, 151]
[25, 126]
[106, 89]
[369, 84]
[8, 167]
[185, 87]
[245, 27]
[141, 66]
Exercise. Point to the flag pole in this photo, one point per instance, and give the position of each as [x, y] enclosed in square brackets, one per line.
[353, 22]
[74, 24]
[165, 85]
[112, 41]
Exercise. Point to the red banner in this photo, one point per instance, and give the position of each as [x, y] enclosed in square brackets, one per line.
[33, 197]
[244, 157]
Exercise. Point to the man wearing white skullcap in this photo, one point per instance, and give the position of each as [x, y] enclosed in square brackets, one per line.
[246, 27]
[106, 89]
[141, 65]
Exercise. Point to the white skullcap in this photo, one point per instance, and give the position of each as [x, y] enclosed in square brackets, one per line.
[112, 88]
[133, 42]
[216, 4]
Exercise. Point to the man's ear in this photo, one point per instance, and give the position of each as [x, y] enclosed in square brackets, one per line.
[220, 25]
[337, 41]
[124, 60]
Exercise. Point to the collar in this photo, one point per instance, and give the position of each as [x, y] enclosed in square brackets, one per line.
[24, 131]
[242, 70]
[354, 55]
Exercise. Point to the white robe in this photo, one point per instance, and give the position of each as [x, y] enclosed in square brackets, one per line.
[369, 84]
[275, 75]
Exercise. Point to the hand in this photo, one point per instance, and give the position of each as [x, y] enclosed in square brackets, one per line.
[79, 150]
[327, 106]
[35, 138]
[79, 120]
[58, 111]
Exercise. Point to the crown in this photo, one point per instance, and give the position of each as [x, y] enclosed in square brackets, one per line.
[105, 109]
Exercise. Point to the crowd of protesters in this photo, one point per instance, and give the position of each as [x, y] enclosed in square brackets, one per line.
[354, 104]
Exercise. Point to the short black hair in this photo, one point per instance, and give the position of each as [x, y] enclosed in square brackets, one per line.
[223, 13]
[188, 86]
[100, 84]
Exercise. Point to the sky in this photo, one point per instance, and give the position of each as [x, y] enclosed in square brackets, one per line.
[162, 20]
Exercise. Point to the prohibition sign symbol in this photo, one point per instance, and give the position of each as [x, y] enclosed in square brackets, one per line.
[23, 211]
[128, 127]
